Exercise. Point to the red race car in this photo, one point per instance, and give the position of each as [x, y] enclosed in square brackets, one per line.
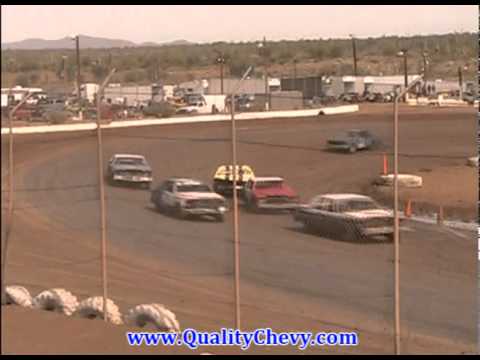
[269, 193]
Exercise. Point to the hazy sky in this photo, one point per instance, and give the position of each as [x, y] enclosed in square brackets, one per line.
[207, 23]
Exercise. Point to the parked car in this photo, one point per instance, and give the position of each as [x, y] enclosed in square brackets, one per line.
[373, 97]
[128, 168]
[352, 140]
[188, 197]
[243, 102]
[350, 97]
[346, 217]
[269, 193]
[389, 96]
[223, 178]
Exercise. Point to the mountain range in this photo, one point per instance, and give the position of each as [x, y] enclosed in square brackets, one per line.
[86, 42]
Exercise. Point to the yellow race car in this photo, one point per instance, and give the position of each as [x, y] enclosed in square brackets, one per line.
[223, 178]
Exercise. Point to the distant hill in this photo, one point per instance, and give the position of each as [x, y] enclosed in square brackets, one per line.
[86, 42]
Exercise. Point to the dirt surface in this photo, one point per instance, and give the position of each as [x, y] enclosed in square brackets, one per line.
[290, 280]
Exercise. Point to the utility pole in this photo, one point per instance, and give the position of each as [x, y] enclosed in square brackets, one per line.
[64, 72]
[295, 74]
[460, 82]
[10, 206]
[262, 47]
[221, 61]
[397, 337]
[403, 53]
[103, 216]
[236, 240]
[77, 46]
[425, 71]
[354, 50]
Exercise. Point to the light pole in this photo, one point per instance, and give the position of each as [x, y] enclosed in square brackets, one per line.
[10, 206]
[396, 235]
[354, 51]
[221, 61]
[236, 240]
[295, 74]
[403, 53]
[76, 38]
[425, 71]
[262, 49]
[64, 71]
[103, 216]
[460, 80]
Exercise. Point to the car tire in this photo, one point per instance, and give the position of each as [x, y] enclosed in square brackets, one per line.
[57, 300]
[253, 206]
[352, 149]
[307, 227]
[92, 308]
[180, 213]
[155, 314]
[159, 206]
[219, 218]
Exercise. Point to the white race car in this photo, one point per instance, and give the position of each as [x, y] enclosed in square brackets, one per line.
[346, 216]
[188, 197]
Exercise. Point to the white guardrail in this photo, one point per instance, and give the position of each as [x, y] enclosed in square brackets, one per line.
[182, 120]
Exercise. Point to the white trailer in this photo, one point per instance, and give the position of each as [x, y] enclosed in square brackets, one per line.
[215, 100]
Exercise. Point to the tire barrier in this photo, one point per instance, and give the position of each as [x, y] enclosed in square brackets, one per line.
[473, 161]
[57, 300]
[404, 180]
[17, 295]
[92, 308]
[152, 314]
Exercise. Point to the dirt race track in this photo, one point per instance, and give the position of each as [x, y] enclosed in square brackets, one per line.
[290, 280]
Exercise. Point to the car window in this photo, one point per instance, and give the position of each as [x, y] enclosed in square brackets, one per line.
[193, 188]
[324, 205]
[357, 205]
[268, 184]
[130, 161]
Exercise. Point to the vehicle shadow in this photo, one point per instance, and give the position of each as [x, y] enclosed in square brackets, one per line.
[357, 241]
[126, 185]
[171, 215]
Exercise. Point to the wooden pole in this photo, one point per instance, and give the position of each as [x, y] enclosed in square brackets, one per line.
[11, 192]
[103, 215]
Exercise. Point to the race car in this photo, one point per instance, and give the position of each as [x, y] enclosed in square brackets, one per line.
[350, 217]
[188, 197]
[129, 168]
[269, 193]
[352, 140]
[223, 178]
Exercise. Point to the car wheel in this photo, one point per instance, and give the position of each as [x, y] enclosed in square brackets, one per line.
[352, 149]
[159, 205]
[219, 218]
[307, 227]
[180, 213]
[146, 186]
[253, 206]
